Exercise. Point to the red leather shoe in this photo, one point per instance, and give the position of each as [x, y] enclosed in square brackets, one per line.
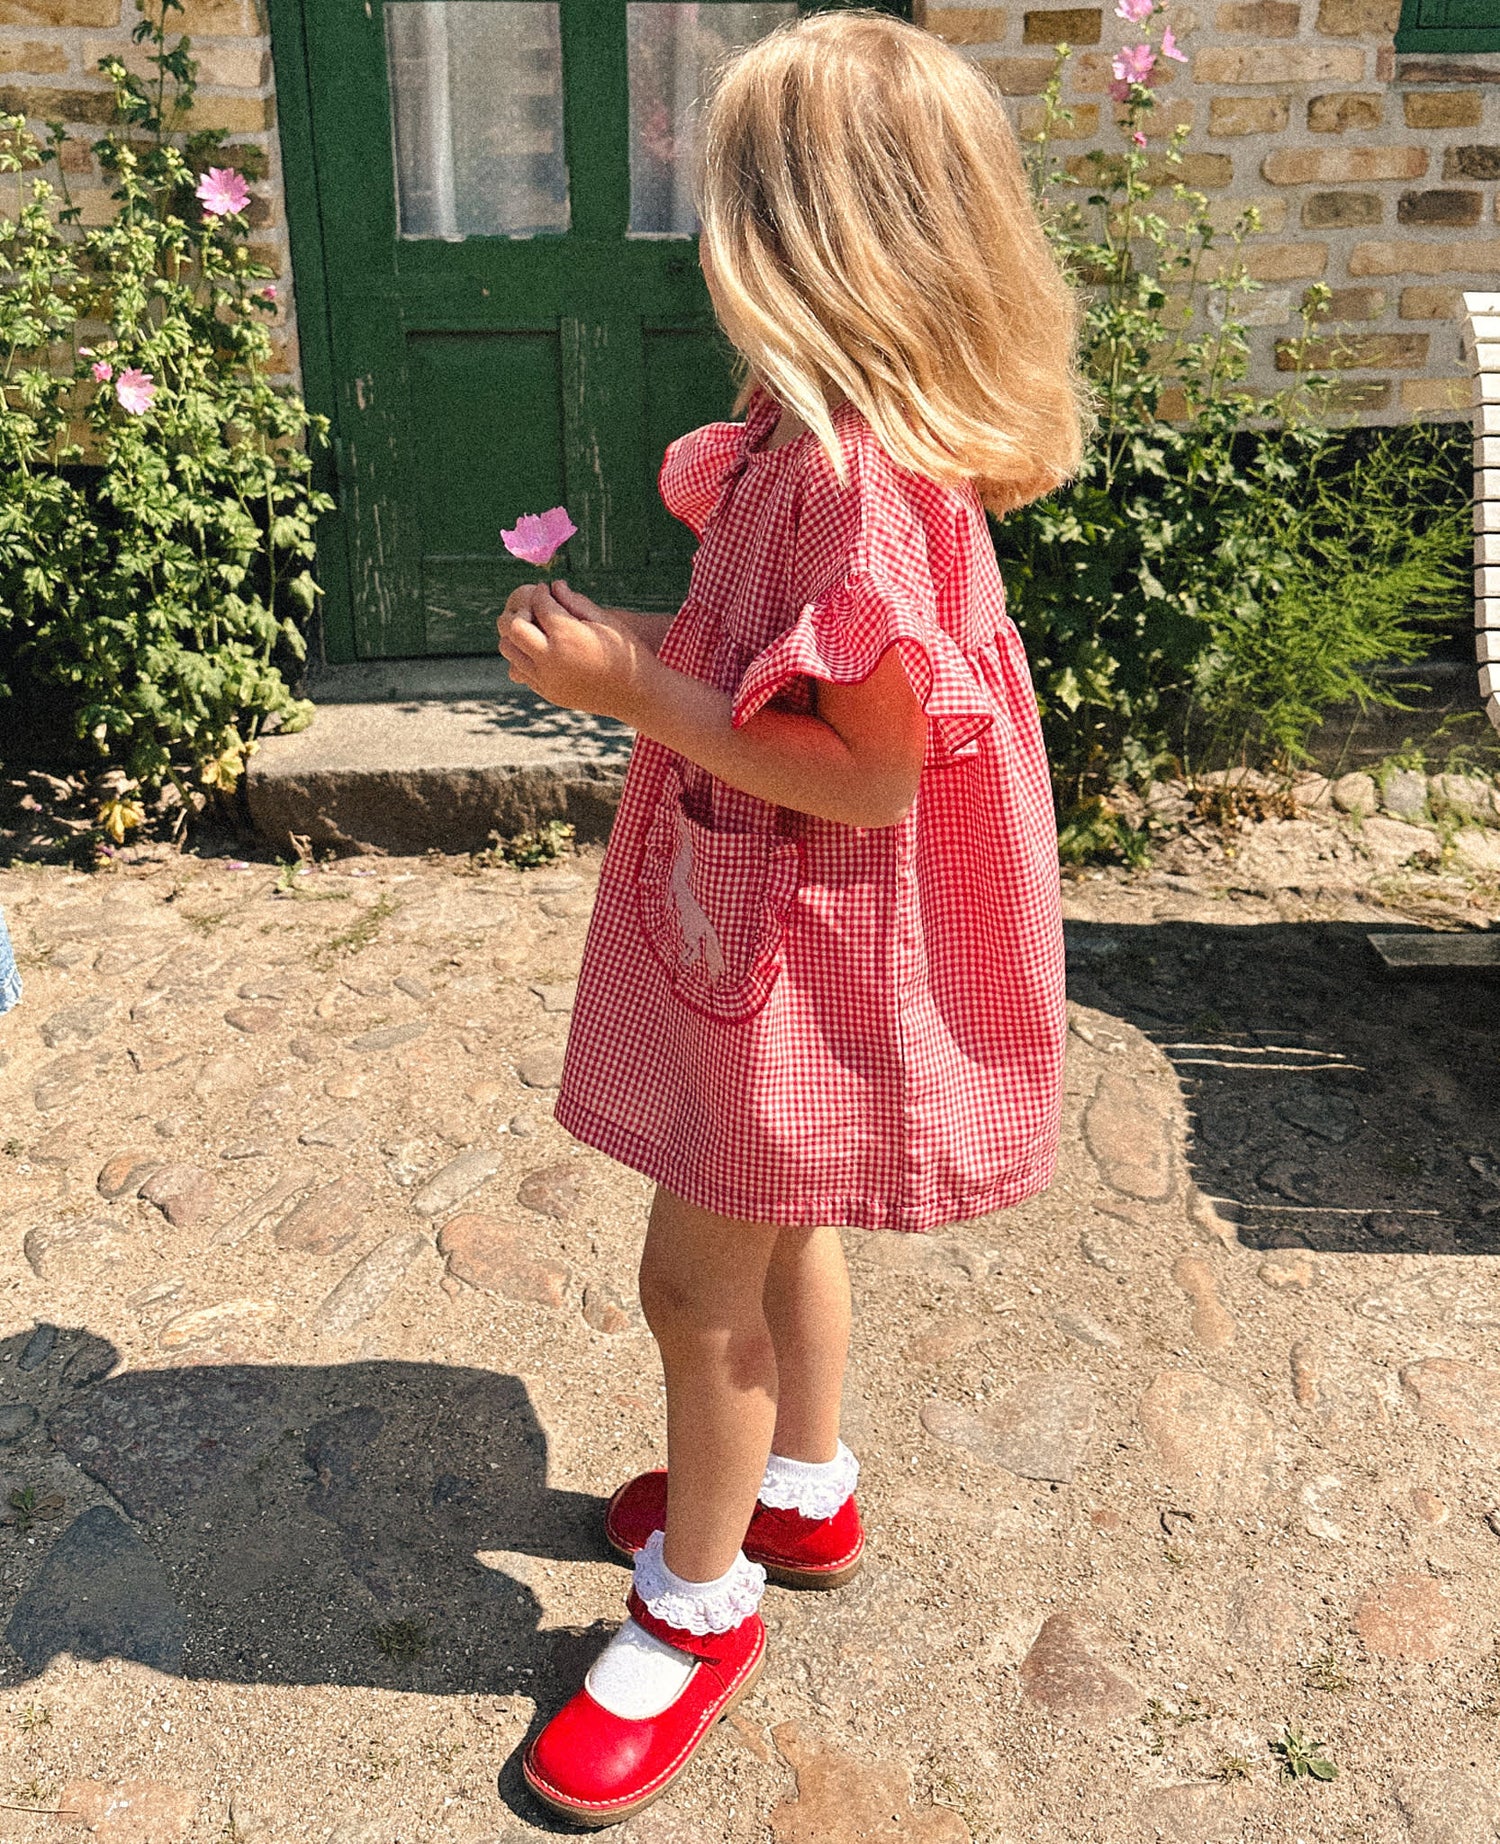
[597, 1768]
[794, 1551]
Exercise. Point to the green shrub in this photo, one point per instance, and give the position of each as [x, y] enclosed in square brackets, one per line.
[1226, 566]
[162, 586]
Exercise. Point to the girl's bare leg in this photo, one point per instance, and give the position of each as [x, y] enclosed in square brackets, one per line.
[703, 1281]
[807, 1308]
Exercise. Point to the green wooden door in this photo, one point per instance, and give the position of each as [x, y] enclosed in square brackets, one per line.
[514, 311]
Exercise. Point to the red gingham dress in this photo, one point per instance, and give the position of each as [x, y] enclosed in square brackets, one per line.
[789, 1020]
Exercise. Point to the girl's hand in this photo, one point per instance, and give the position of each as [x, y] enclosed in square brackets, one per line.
[570, 651]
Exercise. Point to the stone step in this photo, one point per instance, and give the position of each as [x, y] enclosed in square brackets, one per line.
[407, 756]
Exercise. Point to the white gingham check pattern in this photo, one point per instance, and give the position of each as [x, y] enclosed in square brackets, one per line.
[877, 1039]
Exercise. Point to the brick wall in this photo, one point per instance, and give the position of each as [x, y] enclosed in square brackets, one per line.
[49, 68]
[1373, 173]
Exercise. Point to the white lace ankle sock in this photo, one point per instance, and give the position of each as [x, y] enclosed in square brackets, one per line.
[637, 1675]
[813, 1488]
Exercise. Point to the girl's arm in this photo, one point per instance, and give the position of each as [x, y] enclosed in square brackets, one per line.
[858, 760]
[649, 630]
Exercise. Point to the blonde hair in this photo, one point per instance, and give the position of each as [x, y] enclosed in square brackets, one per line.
[870, 236]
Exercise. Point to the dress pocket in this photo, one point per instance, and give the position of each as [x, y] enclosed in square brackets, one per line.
[713, 906]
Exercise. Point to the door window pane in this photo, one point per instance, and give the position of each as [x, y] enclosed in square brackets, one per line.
[674, 49]
[477, 117]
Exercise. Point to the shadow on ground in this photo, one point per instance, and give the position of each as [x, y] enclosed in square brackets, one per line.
[1334, 1106]
[317, 1525]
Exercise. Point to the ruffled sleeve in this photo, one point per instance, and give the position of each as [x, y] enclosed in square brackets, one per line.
[696, 470]
[841, 637]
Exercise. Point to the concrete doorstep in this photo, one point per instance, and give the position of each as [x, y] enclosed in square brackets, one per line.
[410, 755]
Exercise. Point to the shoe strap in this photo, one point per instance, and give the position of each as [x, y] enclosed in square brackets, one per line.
[710, 1647]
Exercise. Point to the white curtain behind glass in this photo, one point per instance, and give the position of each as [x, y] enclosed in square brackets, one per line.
[674, 48]
[476, 117]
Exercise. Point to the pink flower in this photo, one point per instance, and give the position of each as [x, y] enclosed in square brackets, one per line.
[1135, 10]
[537, 535]
[223, 192]
[1169, 48]
[1134, 64]
[269, 291]
[1138, 138]
[134, 390]
[103, 371]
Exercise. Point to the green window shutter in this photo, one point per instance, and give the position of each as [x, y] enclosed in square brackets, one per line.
[1449, 26]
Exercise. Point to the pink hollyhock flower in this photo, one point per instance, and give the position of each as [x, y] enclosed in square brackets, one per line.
[1134, 64]
[269, 291]
[103, 371]
[134, 390]
[537, 535]
[1135, 10]
[1169, 48]
[223, 192]
[1138, 138]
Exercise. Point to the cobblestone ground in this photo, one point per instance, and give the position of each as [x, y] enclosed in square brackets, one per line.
[319, 1352]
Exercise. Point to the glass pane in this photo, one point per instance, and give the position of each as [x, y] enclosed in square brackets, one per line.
[477, 117]
[675, 48]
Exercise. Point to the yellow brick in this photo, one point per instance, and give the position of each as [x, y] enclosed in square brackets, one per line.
[95, 206]
[1443, 108]
[1247, 114]
[234, 114]
[1342, 166]
[1338, 114]
[233, 66]
[1270, 262]
[1359, 18]
[32, 55]
[968, 25]
[1279, 64]
[1083, 127]
[1270, 18]
[1353, 304]
[1476, 258]
[61, 12]
[1160, 123]
[96, 107]
[228, 18]
[1225, 213]
[1018, 76]
[1435, 394]
[1351, 395]
[1075, 25]
[1091, 73]
[1354, 352]
[1431, 303]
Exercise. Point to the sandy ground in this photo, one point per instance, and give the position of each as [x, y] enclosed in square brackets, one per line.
[319, 1353]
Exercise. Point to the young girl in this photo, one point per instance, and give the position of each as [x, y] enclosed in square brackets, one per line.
[823, 984]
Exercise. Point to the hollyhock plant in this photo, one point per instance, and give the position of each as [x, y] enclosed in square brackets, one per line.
[1169, 48]
[1135, 10]
[103, 371]
[1132, 64]
[538, 536]
[223, 192]
[134, 390]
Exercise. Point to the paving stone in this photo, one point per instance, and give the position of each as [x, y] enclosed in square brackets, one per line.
[1460, 1397]
[264, 1205]
[1202, 1813]
[38, 1348]
[1087, 1330]
[1409, 1617]
[341, 1129]
[389, 1036]
[131, 1811]
[1355, 793]
[556, 996]
[1041, 1428]
[125, 1173]
[185, 1194]
[1103, 1251]
[1069, 1670]
[1477, 850]
[61, 1081]
[1128, 1139]
[1453, 1805]
[1403, 793]
[16, 1419]
[947, 1339]
[552, 1191]
[490, 1254]
[80, 1023]
[1429, 1508]
[458, 1179]
[1307, 1367]
[842, 1800]
[309, 1049]
[1287, 1270]
[413, 988]
[100, 1593]
[606, 1312]
[1212, 1443]
[1331, 1117]
[253, 1020]
[1268, 1621]
[326, 1221]
[370, 1282]
[81, 1248]
[1213, 1325]
[213, 1325]
[541, 1066]
[223, 1075]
